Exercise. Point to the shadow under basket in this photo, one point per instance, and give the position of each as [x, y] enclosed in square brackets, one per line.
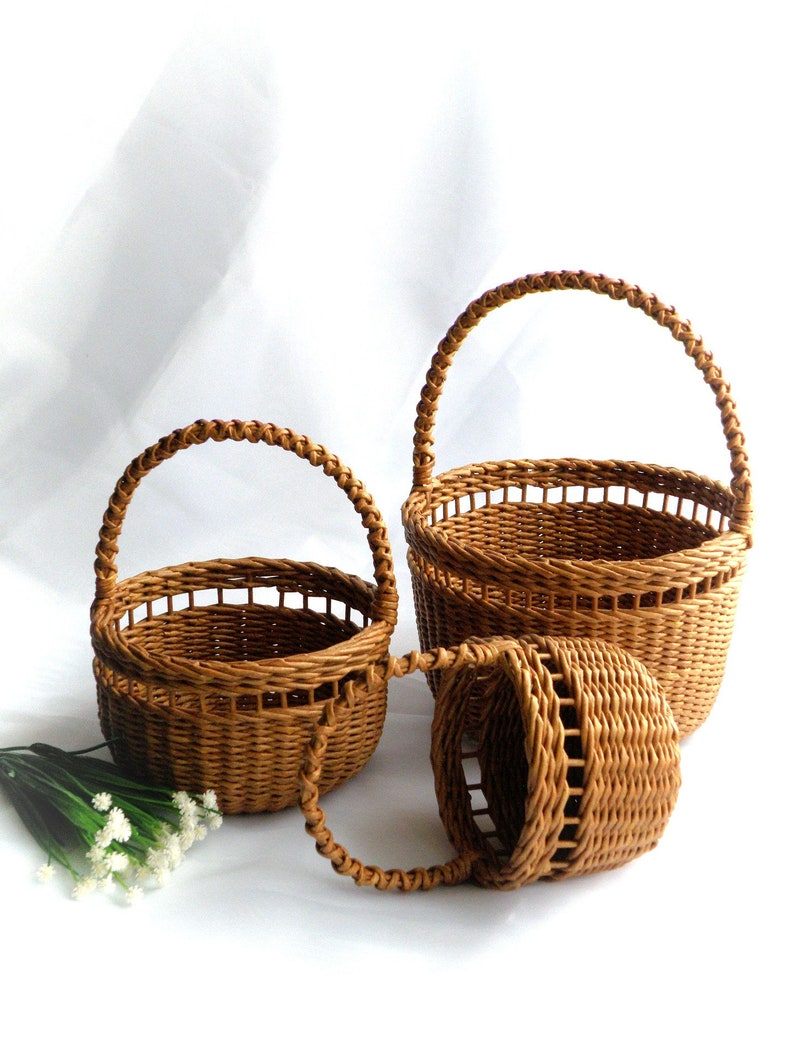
[575, 767]
[212, 675]
[648, 557]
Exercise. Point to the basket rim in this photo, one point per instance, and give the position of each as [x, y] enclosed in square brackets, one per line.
[259, 566]
[557, 465]
[301, 670]
[436, 543]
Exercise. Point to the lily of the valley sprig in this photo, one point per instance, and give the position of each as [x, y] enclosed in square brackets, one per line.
[105, 829]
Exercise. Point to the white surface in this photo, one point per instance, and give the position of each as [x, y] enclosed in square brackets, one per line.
[277, 217]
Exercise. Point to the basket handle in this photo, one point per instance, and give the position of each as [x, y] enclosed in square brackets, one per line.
[454, 871]
[238, 430]
[664, 315]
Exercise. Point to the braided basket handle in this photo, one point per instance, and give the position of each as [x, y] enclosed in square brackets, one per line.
[456, 870]
[251, 430]
[618, 290]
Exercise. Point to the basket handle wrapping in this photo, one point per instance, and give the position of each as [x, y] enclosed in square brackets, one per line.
[664, 315]
[454, 871]
[251, 430]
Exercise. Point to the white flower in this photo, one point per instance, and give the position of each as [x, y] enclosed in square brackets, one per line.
[211, 813]
[45, 873]
[134, 894]
[117, 829]
[117, 862]
[158, 859]
[103, 838]
[96, 855]
[119, 826]
[190, 817]
[161, 876]
[187, 836]
[173, 848]
[100, 870]
[188, 810]
[84, 886]
[182, 801]
[102, 801]
[107, 884]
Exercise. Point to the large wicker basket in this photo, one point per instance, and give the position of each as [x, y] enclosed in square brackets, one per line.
[647, 557]
[576, 766]
[212, 674]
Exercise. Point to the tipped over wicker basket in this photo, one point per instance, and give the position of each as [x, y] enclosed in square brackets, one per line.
[212, 674]
[647, 557]
[576, 766]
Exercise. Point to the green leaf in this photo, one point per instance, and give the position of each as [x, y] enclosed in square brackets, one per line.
[33, 818]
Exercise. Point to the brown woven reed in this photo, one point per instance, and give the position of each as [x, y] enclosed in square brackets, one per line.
[212, 674]
[575, 769]
[647, 557]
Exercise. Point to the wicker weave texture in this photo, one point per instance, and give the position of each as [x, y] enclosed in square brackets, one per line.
[575, 767]
[648, 557]
[212, 674]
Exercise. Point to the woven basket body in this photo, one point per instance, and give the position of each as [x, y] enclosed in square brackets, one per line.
[575, 767]
[650, 558]
[212, 674]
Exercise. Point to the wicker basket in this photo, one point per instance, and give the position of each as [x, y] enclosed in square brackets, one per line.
[647, 557]
[576, 767]
[213, 674]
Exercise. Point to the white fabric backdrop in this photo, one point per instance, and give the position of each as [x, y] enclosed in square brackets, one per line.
[224, 211]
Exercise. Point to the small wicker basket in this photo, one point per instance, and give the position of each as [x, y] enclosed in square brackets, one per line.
[212, 674]
[575, 768]
[647, 557]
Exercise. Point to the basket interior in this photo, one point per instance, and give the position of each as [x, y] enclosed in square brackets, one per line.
[239, 632]
[229, 612]
[471, 529]
[497, 771]
[577, 531]
[571, 509]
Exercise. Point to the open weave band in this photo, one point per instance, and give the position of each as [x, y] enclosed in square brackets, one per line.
[212, 673]
[648, 557]
[576, 767]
